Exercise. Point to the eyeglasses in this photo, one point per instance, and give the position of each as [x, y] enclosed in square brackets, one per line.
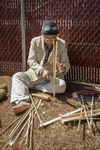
[49, 39]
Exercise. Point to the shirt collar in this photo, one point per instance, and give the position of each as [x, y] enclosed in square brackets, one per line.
[47, 47]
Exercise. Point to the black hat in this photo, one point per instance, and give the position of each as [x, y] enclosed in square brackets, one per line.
[49, 27]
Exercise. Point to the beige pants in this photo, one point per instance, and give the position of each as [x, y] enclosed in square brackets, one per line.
[21, 82]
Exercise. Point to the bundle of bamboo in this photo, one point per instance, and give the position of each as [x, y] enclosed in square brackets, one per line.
[25, 119]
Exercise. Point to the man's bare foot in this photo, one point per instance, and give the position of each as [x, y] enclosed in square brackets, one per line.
[21, 107]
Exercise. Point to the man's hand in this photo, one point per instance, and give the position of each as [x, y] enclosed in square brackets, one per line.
[46, 74]
[60, 67]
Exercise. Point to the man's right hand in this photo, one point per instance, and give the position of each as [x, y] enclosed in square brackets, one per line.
[46, 74]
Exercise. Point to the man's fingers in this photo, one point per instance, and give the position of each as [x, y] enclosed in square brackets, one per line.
[46, 75]
[61, 71]
[61, 64]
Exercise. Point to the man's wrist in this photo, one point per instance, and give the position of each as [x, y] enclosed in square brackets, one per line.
[41, 71]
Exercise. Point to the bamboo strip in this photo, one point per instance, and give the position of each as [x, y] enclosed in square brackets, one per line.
[85, 111]
[13, 132]
[26, 135]
[10, 125]
[31, 131]
[7, 143]
[21, 121]
[28, 128]
[80, 119]
[36, 109]
[18, 125]
[91, 109]
[90, 115]
[35, 113]
[12, 142]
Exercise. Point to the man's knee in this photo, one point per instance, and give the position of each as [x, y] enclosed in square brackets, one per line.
[21, 76]
[17, 75]
[62, 86]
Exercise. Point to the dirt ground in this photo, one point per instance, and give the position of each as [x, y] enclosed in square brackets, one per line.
[56, 136]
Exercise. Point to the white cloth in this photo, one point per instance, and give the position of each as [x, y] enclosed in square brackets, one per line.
[21, 82]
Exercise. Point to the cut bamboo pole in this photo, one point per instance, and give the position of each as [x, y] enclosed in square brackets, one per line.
[96, 112]
[41, 96]
[2, 93]
[67, 116]
[72, 118]
[54, 66]
[91, 118]
[53, 70]
[59, 118]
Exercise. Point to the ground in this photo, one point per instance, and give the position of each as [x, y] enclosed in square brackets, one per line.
[56, 136]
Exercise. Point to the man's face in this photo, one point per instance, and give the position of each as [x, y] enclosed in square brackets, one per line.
[49, 39]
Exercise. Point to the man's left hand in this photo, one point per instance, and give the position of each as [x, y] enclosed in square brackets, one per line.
[60, 67]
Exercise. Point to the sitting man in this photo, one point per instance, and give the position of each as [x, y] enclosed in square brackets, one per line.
[40, 61]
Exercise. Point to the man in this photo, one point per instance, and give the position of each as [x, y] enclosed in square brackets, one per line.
[40, 61]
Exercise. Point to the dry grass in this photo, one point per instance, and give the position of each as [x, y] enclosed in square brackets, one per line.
[56, 136]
